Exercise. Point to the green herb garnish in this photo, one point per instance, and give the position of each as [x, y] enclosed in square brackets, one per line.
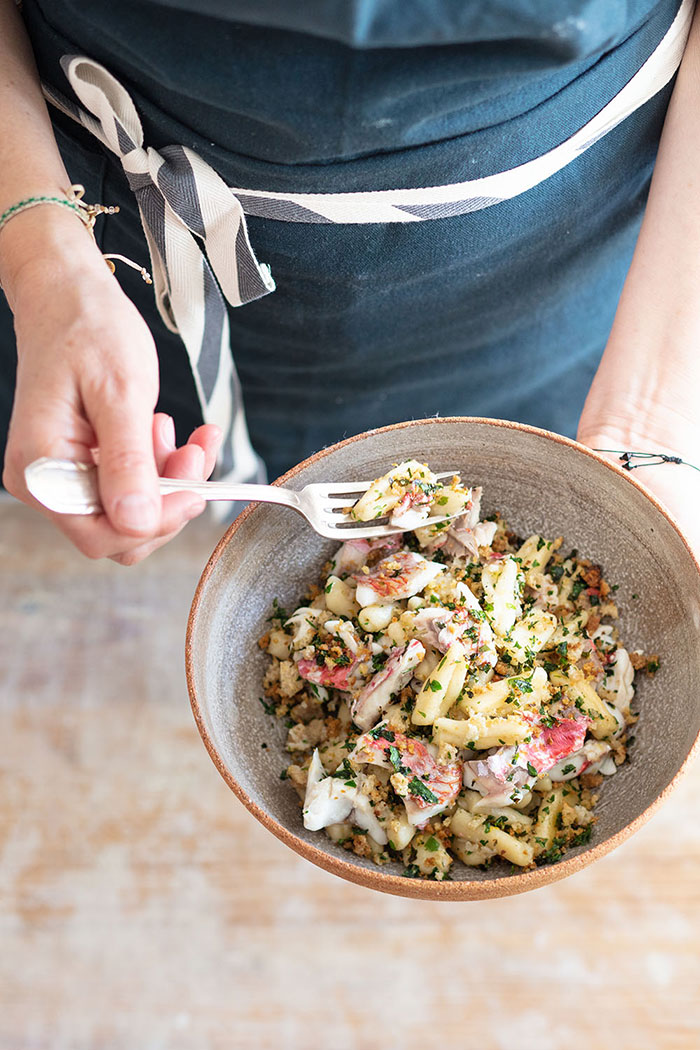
[417, 787]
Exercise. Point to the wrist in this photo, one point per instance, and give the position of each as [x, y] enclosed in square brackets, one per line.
[634, 427]
[45, 245]
[646, 392]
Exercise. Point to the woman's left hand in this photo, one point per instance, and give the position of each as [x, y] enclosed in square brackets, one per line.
[675, 485]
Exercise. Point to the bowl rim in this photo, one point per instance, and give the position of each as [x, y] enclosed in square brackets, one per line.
[375, 878]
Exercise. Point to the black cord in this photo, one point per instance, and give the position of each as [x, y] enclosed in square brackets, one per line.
[651, 459]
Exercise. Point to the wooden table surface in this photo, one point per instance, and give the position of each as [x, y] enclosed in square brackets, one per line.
[142, 907]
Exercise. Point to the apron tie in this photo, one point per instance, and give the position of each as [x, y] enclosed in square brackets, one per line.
[182, 201]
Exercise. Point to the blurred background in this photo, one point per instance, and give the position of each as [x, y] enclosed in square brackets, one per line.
[143, 908]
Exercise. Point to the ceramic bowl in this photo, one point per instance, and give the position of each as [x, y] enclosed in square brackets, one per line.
[542, 483]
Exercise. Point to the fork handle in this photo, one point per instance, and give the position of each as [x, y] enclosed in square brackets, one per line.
[213, 490]
[66, 487]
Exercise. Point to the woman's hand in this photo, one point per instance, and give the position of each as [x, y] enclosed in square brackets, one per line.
[677, 486]
[87, 367]
[87, 378]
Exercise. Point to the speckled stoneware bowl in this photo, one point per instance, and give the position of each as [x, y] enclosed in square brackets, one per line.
[541, 483]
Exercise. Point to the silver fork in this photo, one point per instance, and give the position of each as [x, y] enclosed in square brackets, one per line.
[67, 487]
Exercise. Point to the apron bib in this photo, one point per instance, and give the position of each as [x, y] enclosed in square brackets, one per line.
[195, 226]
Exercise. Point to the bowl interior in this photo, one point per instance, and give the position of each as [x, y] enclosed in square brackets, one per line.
[540, 484]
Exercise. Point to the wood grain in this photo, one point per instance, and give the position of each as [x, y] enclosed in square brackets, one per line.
[142, 908]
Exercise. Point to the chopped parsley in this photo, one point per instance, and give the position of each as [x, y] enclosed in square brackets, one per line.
[417, 787]
[345, 772]
[395, 759]
[378, 661]
[582, 837]
[381, 732]
[554, 853]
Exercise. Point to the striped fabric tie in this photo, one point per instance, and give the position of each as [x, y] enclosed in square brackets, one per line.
[182, 199]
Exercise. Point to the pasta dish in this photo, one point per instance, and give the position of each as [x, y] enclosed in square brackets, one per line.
[451, 691]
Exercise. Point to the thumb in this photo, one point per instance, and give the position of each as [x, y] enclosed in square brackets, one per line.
[127, 474]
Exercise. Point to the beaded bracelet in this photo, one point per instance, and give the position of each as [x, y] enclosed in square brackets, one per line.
[87, 213]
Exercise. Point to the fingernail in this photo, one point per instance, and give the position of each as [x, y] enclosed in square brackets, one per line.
[167, 432]
[136, 511]
[194, 509]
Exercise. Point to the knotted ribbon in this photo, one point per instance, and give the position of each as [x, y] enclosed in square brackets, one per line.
[199, 247]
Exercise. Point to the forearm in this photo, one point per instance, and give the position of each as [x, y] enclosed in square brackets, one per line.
[648, 383]
[31, 165]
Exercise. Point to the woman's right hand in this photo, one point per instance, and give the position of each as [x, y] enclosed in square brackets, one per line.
[87, 378]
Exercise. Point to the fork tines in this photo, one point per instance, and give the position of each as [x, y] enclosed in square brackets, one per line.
[352, 490]
[338, 500]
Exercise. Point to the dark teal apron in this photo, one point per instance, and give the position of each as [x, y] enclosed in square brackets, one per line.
[501, 312]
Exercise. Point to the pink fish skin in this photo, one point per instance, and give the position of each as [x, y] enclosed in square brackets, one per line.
[334, 677]
[414, 501]
[508, 772]
[443, 781]
[394, 575]
[555, 743]
[389, 680]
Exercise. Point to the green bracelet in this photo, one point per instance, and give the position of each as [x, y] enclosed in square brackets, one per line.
[32, 202]
[87, 213]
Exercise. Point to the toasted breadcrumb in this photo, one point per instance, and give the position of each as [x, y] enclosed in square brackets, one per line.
[306, 709]
[591, 780]
[302, 737]
[298, 777]
[290, 680]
